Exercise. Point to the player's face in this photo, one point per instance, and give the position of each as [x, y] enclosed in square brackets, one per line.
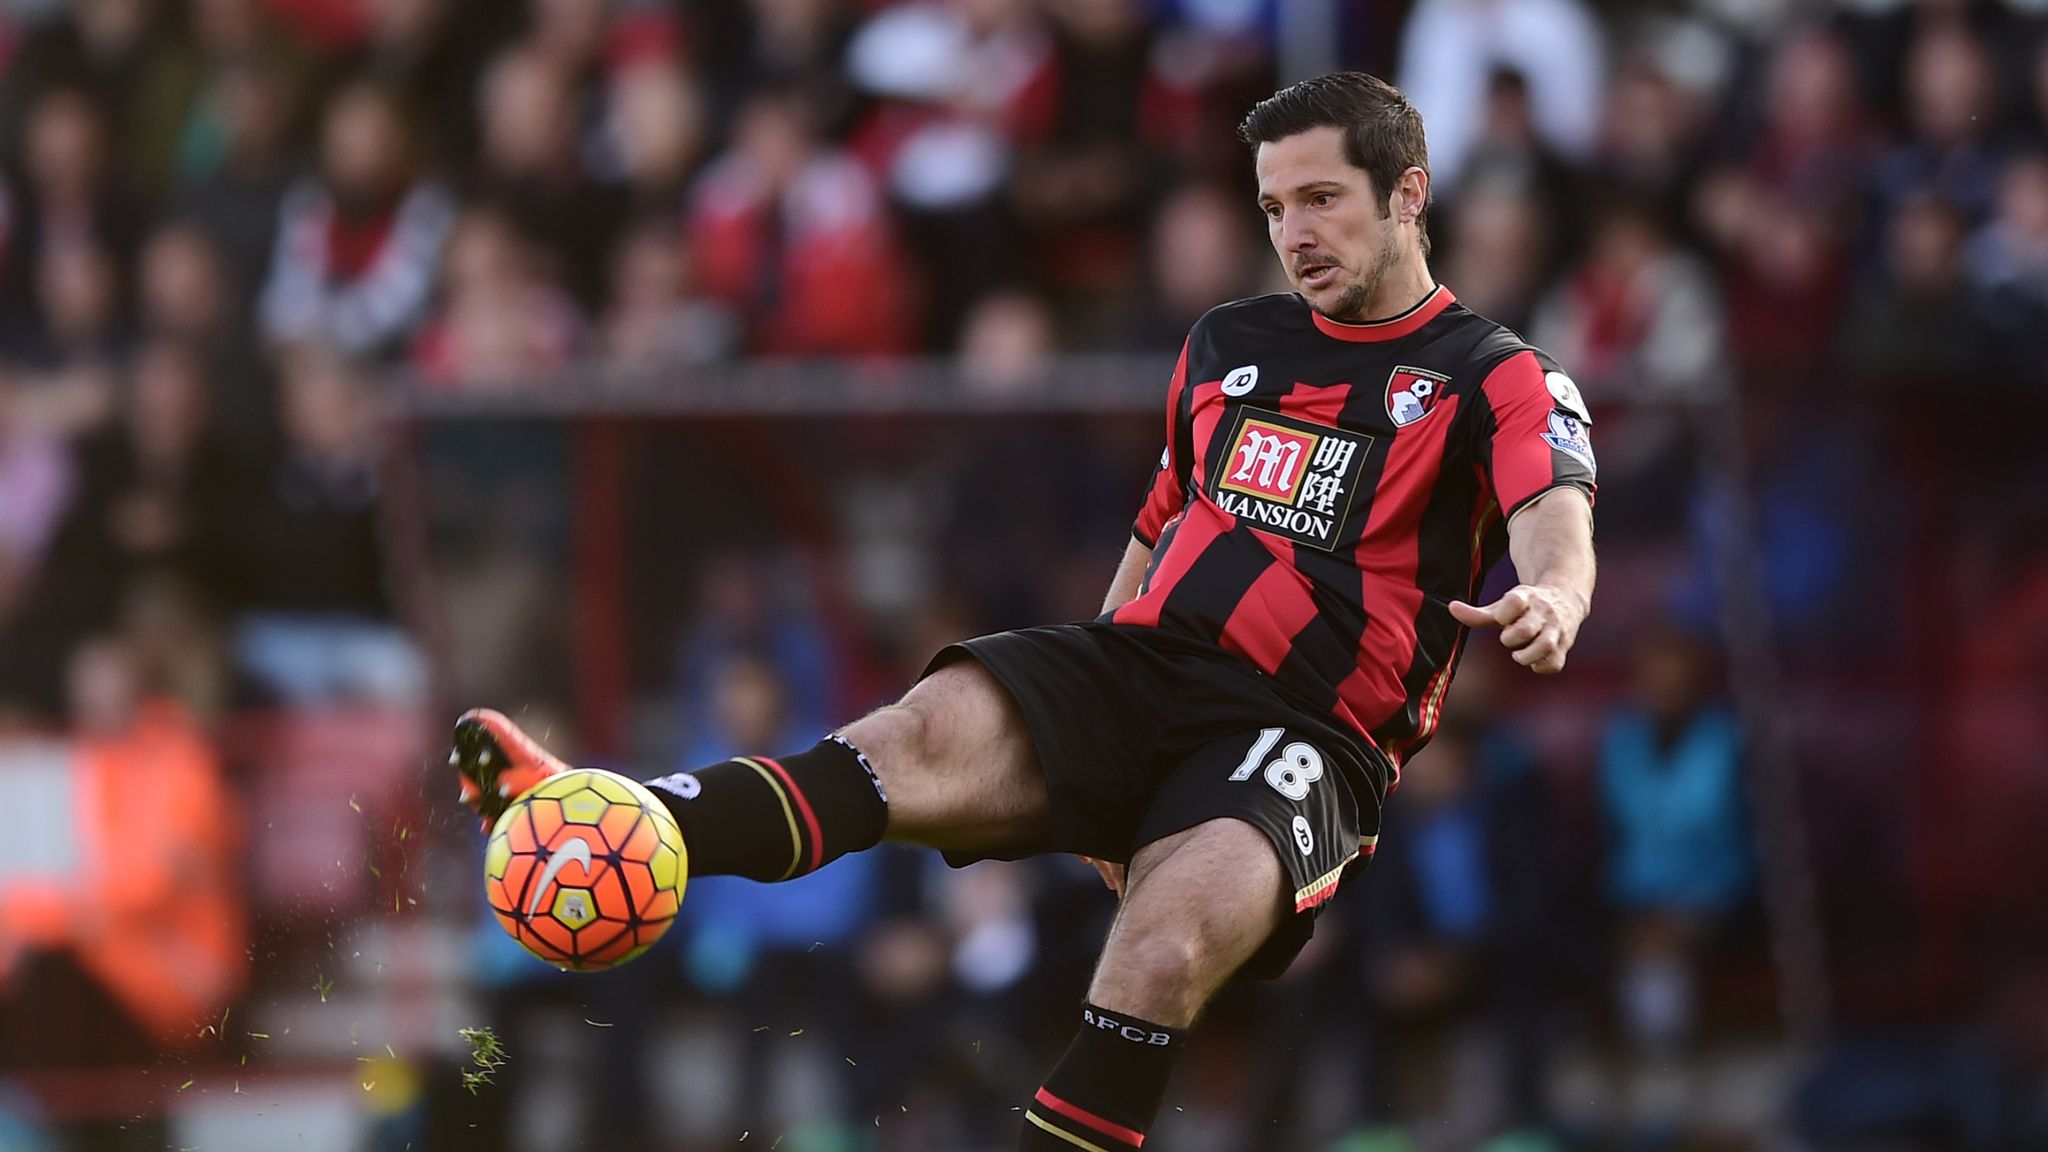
[1332, 229]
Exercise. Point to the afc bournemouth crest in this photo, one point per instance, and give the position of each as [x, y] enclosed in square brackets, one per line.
[1291, 477]
[1412, 394]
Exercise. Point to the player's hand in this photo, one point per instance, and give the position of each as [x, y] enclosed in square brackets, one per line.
[1112, 874]
[1537, 623]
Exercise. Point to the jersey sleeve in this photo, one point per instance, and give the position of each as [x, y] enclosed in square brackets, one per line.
[1537, 438]
[1167, 491]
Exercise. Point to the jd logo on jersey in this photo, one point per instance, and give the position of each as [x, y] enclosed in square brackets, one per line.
[1412, 394]
[1291, 477]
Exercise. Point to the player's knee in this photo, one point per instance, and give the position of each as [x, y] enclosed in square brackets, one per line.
[934, 725]
[899, 740]
[1154, 973]
[889, 736]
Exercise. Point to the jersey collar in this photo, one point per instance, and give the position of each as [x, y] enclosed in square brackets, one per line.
[1392, 328]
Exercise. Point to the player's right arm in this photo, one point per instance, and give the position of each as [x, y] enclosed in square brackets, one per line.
[1165, 495]
[1130, 576]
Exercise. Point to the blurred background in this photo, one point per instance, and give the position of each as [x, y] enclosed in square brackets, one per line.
[677, 376]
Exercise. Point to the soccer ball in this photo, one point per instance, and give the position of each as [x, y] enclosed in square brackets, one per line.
[586, 870]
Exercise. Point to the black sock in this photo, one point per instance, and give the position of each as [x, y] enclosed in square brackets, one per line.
[1106, 1090]
[777, 819]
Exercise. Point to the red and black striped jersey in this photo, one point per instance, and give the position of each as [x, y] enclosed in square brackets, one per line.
[1327, 489]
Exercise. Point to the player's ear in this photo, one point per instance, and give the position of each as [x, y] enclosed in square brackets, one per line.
[1411, 195]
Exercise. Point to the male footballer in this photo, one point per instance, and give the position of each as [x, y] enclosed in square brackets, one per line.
[1344, 463]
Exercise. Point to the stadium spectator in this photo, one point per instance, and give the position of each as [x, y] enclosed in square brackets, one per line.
[1509, 154]
[1950, 152]
[182, 119]
[67, 204]
[165, 932]
[159, 492]
[1917, 325]
[78, 292]
[1817, 141]
[39, 478]
[128, 956]
[1671, 778]
[746, 606]
[794, 236]
[1007, 344]
[432, 52]
[960, 88]
[657, 126]
[1680, 868]
[500, 321]
[237, 200]
[99, 46]
[794, 46]
[1460, 951]
[1498, 250]
[1198, 259]
[656, 317]
[1082, 188]
[182, 289]
[36, 482]
[530, 168]
[1651, 138]
[1784, 288]
[1638, 316]
[1451, 48]
[2008, 267]
[174, 630]
[355, 251]
[184, 294]
[316, 623]
[582, 44]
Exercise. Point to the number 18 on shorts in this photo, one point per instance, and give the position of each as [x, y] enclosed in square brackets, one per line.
[1282, 781]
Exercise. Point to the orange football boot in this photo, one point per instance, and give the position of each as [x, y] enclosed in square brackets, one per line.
[498, 762]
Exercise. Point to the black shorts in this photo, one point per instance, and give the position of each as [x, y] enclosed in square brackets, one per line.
[1142, 733]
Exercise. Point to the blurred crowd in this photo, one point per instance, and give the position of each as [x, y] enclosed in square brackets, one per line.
[1794, 251]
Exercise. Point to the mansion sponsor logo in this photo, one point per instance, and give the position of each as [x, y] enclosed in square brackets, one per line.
[1289, 476]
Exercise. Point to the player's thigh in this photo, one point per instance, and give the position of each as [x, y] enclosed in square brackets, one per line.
[956, 759]
[1198, 904]
[1299, 806]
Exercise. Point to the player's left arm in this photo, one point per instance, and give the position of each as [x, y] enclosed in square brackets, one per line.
[1550, 542]
[1536, 451]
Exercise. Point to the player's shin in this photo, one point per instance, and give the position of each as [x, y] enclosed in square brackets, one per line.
[1106, 1090]
[777, 818]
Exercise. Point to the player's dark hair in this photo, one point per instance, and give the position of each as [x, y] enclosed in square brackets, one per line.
[1382, 130]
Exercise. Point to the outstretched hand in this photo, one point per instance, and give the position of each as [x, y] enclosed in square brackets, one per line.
[1537, 624]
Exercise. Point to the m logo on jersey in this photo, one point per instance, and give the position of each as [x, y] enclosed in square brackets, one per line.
[1267, 460]
[1412, 394]
[1291, 477]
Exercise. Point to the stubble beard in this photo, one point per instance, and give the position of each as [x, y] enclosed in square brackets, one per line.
[1350, 305]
